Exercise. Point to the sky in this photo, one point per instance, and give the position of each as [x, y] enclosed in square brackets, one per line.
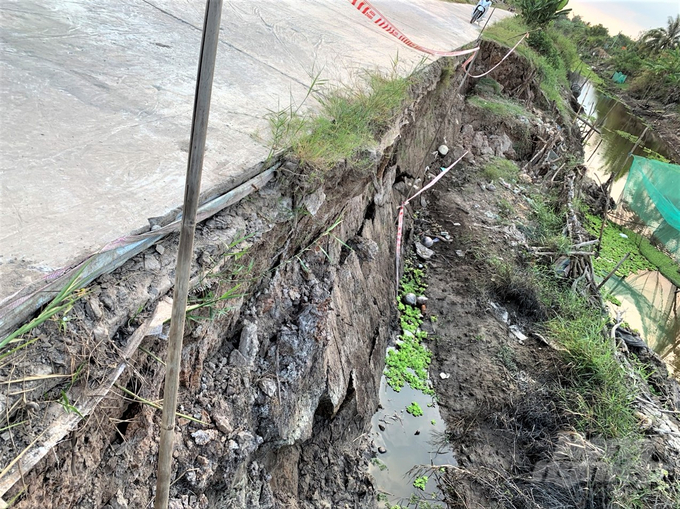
[628, 16]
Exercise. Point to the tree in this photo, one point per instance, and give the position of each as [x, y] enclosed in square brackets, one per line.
[661, 39]
[666, 71]
[539, 13]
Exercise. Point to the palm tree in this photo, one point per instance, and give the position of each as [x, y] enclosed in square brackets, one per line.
[660, 39]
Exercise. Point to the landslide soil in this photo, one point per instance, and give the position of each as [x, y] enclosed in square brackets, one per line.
[499, 400]
[513, 437]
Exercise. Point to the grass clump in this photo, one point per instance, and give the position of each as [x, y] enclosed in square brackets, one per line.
[350, 120]
[488, 86]
[499, 167]
[600, 393]
[408, 363]
[499, 106]
[547, 225]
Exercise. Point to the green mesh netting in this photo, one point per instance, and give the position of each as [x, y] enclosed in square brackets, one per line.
[653, 192]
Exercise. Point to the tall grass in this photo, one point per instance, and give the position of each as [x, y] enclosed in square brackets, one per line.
[62, 303]
[349, 120]
[600, 393]
[552, 75]
[499, 106]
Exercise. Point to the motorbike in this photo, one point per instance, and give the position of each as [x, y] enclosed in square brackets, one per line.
[477, 13]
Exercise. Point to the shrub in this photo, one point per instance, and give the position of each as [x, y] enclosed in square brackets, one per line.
[539, 13]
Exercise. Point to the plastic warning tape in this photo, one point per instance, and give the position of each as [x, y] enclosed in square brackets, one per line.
[499, 63]
[365, 8]
[400, 219]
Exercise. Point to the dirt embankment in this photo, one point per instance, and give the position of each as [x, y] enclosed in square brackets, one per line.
[502, 384]
[664, 120]
[293, 302]
[294, 307]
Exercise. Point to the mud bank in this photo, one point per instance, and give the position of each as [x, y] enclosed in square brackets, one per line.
[293, 306]
[293, 301]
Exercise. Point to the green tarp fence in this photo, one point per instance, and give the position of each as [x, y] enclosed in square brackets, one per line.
[652, 191]
[619, 77]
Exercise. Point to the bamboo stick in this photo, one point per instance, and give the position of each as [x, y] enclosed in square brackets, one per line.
[206, 69]
[613, 271]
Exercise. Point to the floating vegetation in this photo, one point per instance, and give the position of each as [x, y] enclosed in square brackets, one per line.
[408, 362]
[648, 151]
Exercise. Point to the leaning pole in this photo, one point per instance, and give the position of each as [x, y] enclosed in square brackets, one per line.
[199, 127]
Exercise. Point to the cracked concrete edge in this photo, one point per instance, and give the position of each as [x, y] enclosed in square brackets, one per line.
[17, 308]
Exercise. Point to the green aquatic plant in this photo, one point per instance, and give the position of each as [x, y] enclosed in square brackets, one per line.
[617, 241]
[420, 482]
[408, 362]
[414, 409]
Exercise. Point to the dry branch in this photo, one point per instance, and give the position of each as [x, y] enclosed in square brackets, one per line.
[69, 421]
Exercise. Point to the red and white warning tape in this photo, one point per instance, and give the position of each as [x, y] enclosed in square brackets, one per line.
[365, 7]
[499, 63]
[400, 218]
[368, 10]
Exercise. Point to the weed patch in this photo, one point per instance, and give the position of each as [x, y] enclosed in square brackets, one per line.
[517, 286]
[600, 394]
[499, 167]
[499, 107]
[408, 362]
[350, 120]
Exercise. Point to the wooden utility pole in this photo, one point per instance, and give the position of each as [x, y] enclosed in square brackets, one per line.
[199, 127]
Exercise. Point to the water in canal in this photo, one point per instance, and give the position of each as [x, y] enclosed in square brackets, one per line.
[650, 301]
[408, 442]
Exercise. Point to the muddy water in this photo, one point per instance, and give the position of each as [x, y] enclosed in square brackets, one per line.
[651, 306]
[408, 441]
[608, 151]
[648, 299]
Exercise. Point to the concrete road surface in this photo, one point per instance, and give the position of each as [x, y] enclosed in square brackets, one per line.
[96, 99]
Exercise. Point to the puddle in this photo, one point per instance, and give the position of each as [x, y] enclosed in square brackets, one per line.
[405, 449]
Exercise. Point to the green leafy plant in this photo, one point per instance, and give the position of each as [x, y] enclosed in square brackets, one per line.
[539, 13]
[408, 362]
[420, 482]
[414, 409]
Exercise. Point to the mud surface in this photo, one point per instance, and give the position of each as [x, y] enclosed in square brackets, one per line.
[501, 393]
[292, 304]
[293, 295]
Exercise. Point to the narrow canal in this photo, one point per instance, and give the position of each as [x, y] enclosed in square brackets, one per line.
[649, 301]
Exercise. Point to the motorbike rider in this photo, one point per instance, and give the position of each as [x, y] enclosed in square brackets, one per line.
[484, 5]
